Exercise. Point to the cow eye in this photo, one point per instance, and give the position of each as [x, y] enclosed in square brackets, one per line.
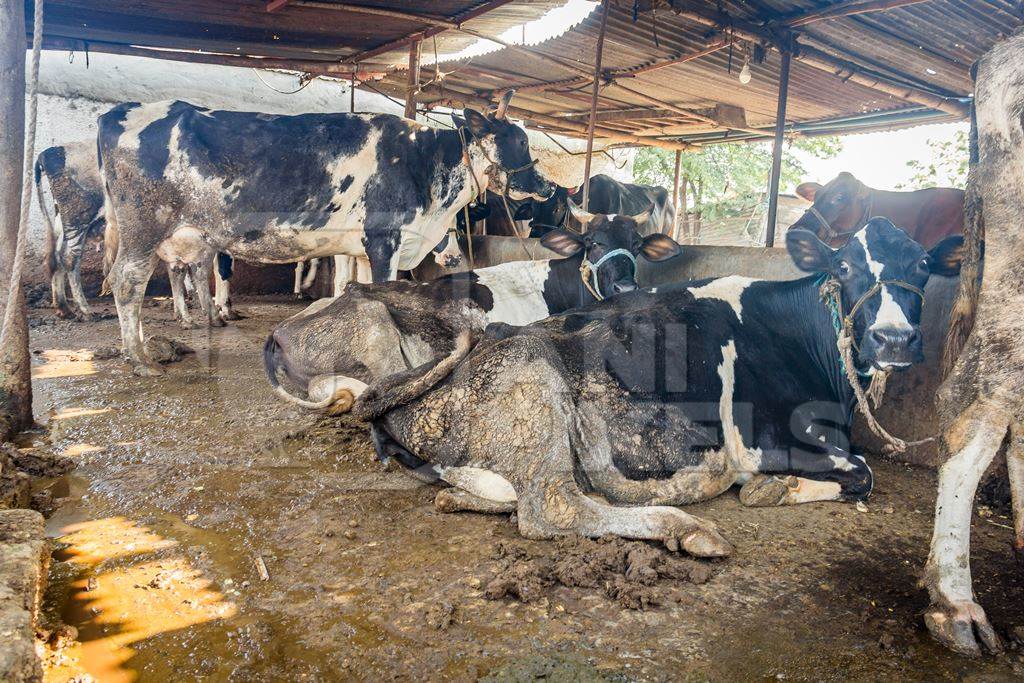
[924, 265]
[843, 270]
[838, 198]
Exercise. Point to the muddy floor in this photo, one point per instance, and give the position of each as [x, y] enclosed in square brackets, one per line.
[211, 532]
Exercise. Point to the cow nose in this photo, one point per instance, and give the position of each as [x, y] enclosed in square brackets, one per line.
[620, 287]
[895, 337]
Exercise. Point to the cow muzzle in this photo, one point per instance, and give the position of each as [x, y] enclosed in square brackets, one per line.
[892, 346]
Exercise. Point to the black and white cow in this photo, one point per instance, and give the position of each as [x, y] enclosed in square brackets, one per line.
[71, 200]
[663, 398]
[608, 196]
[182, 182]
[334, 348]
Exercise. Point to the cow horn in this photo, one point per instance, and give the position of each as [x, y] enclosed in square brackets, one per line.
[502, 109]
[579, 214]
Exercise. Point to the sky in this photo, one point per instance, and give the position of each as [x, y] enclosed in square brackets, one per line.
[880, 159]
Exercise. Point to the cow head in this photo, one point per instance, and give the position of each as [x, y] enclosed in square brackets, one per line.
[508, 149]
[553, 211]
[610, 247]
[837, 209]
[882, 273]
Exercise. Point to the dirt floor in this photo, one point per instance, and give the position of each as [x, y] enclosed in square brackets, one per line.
[189, 485]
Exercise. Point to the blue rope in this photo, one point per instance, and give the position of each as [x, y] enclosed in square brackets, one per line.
[837, 324]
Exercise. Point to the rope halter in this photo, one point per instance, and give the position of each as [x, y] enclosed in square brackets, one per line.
[832, 294]
[830, 232]
[589, 271]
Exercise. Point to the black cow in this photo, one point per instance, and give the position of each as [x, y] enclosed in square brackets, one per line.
[667, 397]
[332, 350]
[183, 181]
[607, 196]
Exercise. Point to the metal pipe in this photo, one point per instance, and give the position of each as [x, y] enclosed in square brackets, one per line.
[780, 129]
[593, 105]
[413, 81]
[675, 196]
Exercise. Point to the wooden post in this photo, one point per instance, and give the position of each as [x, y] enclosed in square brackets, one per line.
[780, 129]
[352, 93]
[414, 79]
[15, 378]
[675, 197]
[592, 122]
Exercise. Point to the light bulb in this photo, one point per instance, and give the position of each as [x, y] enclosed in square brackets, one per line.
[745, 73]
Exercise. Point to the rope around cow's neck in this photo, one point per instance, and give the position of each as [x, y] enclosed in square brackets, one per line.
[831, 294]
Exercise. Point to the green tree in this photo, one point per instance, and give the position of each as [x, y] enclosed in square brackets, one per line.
[948, 165]
[728, 179]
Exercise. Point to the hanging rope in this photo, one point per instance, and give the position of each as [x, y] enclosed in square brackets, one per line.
[14, 287]
[304, 80]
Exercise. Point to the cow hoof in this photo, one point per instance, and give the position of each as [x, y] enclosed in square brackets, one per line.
[217, 321]
[189, 325]
[960, 626]
[232, 314]
[706, 543]
[341, 402]
[86, 317]
[65, 314]
[148, 370]
[763, 491]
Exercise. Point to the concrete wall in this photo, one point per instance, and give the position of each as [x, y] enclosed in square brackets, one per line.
[908, 410]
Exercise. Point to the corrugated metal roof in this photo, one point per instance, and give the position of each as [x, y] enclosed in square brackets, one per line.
[893, 64]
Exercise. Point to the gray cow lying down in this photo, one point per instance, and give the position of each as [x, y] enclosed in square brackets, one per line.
[335, 347]
[665, 397]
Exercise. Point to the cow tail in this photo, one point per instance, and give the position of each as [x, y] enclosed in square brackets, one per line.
[340, 402]
[51, 239]
[961, 318]
[394, 391]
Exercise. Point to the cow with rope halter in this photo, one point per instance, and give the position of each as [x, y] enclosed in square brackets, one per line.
[181, 182]
[844, 204]
[333, 349]
[667, 397]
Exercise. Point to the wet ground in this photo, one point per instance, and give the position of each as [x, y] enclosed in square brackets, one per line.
[211, 532]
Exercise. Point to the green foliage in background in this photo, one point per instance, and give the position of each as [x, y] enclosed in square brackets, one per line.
[726, 179]
[948, 165]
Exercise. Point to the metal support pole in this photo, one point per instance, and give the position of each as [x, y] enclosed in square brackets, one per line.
[675, 197]
[352, 92]
[414, 79]
[593, 105]
[780, 129]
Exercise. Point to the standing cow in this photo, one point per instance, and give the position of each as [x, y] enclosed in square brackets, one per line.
[840, 207]
[333, 351]
[183, 181]
[667, 397]
[71, 200]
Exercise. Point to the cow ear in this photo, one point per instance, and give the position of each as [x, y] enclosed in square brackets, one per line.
[658, 247]
[807, 191]
[477, 123]
[808, 252]
[563, 242]
[579, 214]
[642, 218]
[946, 256]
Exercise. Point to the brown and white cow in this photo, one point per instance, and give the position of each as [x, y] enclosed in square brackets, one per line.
[842, 206]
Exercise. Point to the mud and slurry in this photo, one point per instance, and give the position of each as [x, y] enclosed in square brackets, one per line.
[188, 487]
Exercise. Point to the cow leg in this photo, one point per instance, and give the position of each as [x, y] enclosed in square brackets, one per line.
[344, 273]
[955, 618]
[1015, 469]
[458, 500]
[314, 266]
[364, 273]
[222, 288]
[809, 477]
[58, 281]
[176, 275]
[297, 286]
[75, 282]
[129, 277]
[201, 277]
[552, 508]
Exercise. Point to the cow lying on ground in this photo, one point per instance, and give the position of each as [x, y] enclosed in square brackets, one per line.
[665, 397]
[334, 349]
[182, 182]
[845, 203]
